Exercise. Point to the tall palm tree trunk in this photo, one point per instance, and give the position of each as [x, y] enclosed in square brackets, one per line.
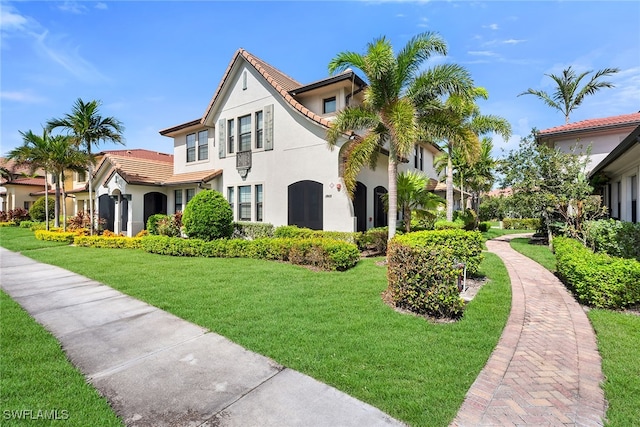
[46, 200]
[91, 200]
[393, 194]
[56, 209]
[449, 189]
[64, 204]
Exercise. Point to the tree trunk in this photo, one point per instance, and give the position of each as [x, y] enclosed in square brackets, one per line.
[56, 209]
[393, 193]
[91, 200]
[46, 200]
[64, 204]
[462, 207]
[449, 188]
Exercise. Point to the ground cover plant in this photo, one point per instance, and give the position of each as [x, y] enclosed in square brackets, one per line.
[35, 377]
[332, 326]
[618, 335]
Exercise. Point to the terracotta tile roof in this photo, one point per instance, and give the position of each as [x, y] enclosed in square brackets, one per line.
[282, 84]
[591, 124]
[146, 167]
[26, 181]
[435, 185]
[140, 153]
[16, 169]
[192, 177]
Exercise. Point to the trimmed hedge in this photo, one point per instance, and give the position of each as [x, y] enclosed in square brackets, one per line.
[597, 279]
[252, 230]
[116, 242]
[484, 226]
[55, 236]
[327, 254]
[208, 216]
[521, 223]
[423, 270]
[292, 231]
[615, 238]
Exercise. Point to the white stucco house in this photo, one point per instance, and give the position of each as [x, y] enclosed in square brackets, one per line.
[261, 143]
[617, 178]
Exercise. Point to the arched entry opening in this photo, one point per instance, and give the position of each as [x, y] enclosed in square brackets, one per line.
[360, 206]
[305, 204]
[107, 211]
[154, 203]
[380, 218]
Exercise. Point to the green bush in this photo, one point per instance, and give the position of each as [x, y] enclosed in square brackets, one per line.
[55, 236]
[375, 239]
[116, 242]
[521, 223]
[327, 254]
[152, 222]
[448, 225]
[37, 210]
[468, 217]
[484, 226]
[615, 238]
[422, 277]
[252, 230]
[293, 231]
[597, 279]
[208, 216]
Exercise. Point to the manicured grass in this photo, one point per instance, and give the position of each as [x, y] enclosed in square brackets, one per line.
[35, 376]
[618, 343]
[539, 253]
[618, 336]
[332, 326]
[492, 233]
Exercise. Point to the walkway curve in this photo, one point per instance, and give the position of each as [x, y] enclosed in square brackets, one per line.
[546, 369]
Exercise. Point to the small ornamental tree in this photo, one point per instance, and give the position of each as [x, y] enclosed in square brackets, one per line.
[208, 216]
[37, 210]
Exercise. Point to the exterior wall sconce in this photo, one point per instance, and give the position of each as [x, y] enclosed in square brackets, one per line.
[338, 186]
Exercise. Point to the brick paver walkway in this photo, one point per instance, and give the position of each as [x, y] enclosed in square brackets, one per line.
[546, 369]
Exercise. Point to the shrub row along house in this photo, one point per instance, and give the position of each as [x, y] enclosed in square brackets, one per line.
[614, 162]
[260, 142]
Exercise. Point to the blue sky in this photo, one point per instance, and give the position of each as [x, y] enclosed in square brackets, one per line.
[157, 64]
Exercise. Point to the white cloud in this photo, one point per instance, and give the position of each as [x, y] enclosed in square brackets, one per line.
[482, 53]
[491, 26]
[73, 7]
[101, 6]
[513, 41]
[25, 97]
[11, 21]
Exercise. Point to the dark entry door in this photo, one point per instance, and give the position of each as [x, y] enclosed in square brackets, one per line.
[360, 206]
[154, 203]
[379, 214]
[106, 211]
[305, 204]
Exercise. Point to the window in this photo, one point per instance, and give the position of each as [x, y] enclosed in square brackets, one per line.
[230, 133]
[259, 203]
[244, 133]
[203, 145]
[81, 176]
[191, 192]
[415, 157]
[329, 105]
[244, 203]
[230, 197]
[259, 133]
[178, 201]
[27, 205]
[421, 160]
[191, 147]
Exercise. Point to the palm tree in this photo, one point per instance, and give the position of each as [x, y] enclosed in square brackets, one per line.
[413, 196]
[387, 117]
[89, 128]
[568, 95]
[64, 156]
[458, 123]
[480, 176]
[35, 152]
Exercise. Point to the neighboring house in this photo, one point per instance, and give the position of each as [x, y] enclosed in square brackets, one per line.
[261, 143]
[19, 188]
[601, 135]
[617, 178]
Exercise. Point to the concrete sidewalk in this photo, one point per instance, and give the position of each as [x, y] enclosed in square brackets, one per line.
[159, 370]
[546, 369]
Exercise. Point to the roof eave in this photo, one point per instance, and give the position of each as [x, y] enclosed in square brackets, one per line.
[625, 144]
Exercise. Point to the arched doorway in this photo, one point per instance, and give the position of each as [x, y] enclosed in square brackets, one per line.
[154, 203]
[107, 211]
[305, 204]
[360, 206]
[380, 218]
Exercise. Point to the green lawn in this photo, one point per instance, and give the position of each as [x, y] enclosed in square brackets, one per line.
[618, 336]
[36, 377]
[332, 326]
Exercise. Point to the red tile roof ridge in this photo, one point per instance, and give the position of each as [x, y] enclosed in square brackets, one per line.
[141, 153]
[594, 123]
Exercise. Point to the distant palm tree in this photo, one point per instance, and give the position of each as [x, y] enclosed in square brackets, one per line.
[387, 117]
[89, 128]
[458, 123]
[35, 153]
[568, 95]
[413, 196]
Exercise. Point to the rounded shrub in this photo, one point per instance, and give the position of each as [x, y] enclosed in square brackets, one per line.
[37, 210]
[208, 216]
